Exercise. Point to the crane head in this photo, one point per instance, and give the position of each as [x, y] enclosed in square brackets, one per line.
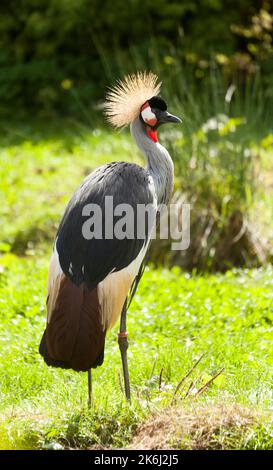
[136, 96]
[154, 113]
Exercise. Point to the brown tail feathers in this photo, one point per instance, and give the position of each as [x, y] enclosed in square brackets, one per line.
[74, 337]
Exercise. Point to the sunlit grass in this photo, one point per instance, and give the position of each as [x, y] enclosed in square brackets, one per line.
[227, 318]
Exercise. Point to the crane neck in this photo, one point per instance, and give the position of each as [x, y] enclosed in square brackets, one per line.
[159, 162]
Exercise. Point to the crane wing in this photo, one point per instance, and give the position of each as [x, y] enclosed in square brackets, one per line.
[90, 261]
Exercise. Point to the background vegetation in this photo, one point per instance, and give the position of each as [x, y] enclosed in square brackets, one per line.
[48, 45]
[216, 62]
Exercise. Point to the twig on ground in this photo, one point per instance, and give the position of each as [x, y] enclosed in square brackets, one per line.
[204, 387]
[160, 379]
[189, 389]
[185, 377]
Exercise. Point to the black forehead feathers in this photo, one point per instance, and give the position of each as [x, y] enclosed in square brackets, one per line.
[158, 103]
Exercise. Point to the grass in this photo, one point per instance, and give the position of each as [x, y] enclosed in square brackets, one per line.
[228, 318]
[202, 426]
[174, 319]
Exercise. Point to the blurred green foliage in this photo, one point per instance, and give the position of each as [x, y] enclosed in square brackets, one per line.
[57, 53]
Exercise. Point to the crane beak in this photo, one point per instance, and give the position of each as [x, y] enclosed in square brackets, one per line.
[166, 117]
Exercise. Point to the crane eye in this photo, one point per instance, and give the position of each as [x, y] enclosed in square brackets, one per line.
[148, 116]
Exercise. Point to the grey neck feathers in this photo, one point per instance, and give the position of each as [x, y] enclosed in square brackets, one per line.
[159, 162]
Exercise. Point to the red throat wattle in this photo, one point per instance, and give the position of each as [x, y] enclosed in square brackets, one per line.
[152, 134]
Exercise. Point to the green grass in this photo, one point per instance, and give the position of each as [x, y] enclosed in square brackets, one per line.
[173, 319]
[228, 318]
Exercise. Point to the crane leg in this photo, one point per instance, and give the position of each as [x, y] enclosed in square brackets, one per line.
[123, 346]
[89, 387]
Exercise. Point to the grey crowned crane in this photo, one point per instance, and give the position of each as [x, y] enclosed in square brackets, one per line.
[91, 281]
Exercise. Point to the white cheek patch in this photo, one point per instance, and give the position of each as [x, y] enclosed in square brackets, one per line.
[148, 116]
